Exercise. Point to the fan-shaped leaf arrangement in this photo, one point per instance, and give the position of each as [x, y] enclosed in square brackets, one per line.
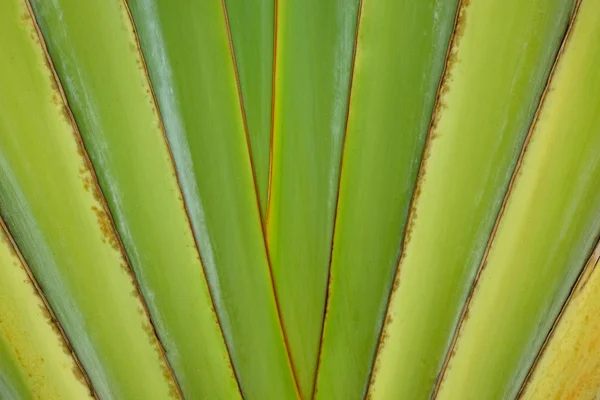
[299, 199]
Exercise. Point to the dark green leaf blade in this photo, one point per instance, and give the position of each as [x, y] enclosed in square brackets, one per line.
[252, 25]
[111, 99]
[399, 61]
[189, 58]
[313, 64]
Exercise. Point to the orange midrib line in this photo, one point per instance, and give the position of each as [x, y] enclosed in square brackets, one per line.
[337, 201]
[257, 198]
[183, 200]
[272, 127]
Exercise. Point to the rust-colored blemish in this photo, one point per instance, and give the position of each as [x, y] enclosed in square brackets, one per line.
[451, 60]
[102, 212]
[149, 329]
[47, 312]
[108, 235]
[326, 304]
[432, 133]
[160, 122]
[516, 173]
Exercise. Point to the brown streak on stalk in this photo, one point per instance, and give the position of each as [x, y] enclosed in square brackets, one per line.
[474, 286]
[185, 207]
[105, 218]
[443, 86]
[78, 370]
[337, 201]
[257, 199]
[272, 128]
[582, 279]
